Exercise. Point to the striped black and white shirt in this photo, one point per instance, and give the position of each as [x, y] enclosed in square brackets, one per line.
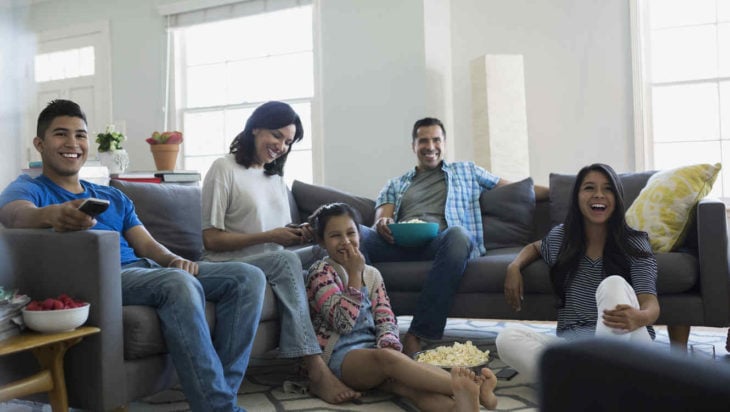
[579, 315]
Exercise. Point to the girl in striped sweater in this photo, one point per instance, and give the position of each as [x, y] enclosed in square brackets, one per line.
[603, 274]
[357, 329]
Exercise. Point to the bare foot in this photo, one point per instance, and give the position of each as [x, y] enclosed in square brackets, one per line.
[325, 385]
[466, 390]
[487, 383]
[411, 344]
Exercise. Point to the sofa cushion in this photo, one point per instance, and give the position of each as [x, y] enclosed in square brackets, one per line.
[310, 197]
[143, 337]
[678, 274]
[665, 207]
[507, 214]
[562, 184]
[142, 333]
[170, 212]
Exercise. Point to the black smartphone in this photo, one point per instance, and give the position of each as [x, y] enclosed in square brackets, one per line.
[506, 374]
[93, 206]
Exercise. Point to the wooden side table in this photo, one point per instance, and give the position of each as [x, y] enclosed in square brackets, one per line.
[49, 349]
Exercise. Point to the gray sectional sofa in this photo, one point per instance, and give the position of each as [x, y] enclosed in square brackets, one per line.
[127, 360]
[693, 282]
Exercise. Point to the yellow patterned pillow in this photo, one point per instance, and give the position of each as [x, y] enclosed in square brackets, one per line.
[666, 205]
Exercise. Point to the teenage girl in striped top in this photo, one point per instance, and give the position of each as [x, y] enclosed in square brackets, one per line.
[603, 274]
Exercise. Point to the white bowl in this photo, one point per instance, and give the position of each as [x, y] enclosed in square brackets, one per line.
[52, 321]
[477, 367]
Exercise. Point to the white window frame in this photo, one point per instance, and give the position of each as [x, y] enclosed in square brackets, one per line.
[643, 140]
[98, 32]
[175, 87]
[641, 67]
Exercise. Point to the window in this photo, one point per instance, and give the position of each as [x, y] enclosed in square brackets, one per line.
[682, 73]
[66, 64]
[225, 69]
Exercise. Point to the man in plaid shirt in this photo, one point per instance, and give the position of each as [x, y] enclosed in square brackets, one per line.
[441, 192]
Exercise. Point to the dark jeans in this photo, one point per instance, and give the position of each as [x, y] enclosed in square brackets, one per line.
[449, 251]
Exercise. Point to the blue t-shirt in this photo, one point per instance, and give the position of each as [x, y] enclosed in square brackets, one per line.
[41, 191]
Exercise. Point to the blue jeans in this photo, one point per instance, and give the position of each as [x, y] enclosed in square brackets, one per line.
[449, 251]
[283, 270]
[210, 368]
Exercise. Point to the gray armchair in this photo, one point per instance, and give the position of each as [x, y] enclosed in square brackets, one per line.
[85, 265]
[128, 360]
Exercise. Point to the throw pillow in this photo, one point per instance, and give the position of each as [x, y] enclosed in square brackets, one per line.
[665, 207]
[507, 214]
[171, 213]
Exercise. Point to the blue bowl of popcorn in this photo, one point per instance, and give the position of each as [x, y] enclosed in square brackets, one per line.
[413, 234]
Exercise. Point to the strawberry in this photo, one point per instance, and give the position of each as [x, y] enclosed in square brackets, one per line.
[63, 301]
[34, 305]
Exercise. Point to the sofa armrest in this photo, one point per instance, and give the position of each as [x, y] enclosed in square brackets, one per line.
[647, 379]
[85, 265]
[712, 249]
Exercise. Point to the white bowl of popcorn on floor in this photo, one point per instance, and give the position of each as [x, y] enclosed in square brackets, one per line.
[459, 354]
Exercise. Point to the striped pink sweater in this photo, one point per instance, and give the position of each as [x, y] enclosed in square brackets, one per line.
[335, 307]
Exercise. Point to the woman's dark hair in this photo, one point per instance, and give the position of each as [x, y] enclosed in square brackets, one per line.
[318, 220]
[617, 249]
[270, 115]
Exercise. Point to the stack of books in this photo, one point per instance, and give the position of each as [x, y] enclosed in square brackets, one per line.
[141, 177]
[11, 316]
[178, 176]
[34, 169]
[160, 176]
[92, 172]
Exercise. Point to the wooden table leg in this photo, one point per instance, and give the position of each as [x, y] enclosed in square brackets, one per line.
[51, 358]
[40, 382]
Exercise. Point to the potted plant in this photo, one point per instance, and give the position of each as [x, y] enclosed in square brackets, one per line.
[110, 151]
[165, 147]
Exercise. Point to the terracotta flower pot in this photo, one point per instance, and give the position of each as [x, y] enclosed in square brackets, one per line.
[165, 155]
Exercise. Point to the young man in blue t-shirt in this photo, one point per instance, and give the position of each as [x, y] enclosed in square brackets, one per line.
[210, 366]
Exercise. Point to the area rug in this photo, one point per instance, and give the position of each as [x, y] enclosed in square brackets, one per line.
[273, 384]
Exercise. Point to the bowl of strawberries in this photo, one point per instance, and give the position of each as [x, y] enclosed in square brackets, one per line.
[52, 315]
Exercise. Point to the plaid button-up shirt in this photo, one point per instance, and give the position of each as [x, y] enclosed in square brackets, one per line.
[465, 182]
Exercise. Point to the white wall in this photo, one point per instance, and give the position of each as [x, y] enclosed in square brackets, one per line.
[12, 39]
[380, 72]
[577, 56]
[373, 87]
[137, 37]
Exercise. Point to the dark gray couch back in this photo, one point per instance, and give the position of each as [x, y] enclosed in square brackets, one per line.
[561, 186]
[170, 212]
[309, 197]
[511, 217]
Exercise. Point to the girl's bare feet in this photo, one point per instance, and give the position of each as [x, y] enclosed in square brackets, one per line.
[325, 385]
[466, 390]
[487, 383]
